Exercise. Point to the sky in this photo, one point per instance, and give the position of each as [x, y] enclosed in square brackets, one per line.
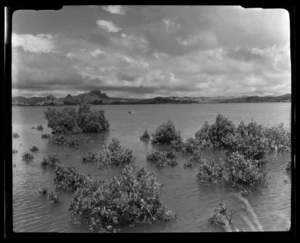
[149, 51]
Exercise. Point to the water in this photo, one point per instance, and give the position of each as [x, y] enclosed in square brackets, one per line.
[182, 193]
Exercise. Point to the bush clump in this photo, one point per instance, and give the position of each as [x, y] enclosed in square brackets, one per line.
[165, 133]
[115, 154]
[16, 135]
[68, 178]
[251, 140]
[34, 149]
[51, 160]
[188, 164]
[65, 140]
[27, 156]
[90, 157]
[221, 216]
[43, 190]
[289, 167]
[242, 172]
[45, 136]
[69, 120]
[39, 128]
[210, 171]
[14, 151]
[278, 138]
[145, 136]
[121, 201]
[52, 197]
[161, 159]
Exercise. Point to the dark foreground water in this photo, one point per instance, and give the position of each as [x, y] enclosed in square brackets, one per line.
[190, 200]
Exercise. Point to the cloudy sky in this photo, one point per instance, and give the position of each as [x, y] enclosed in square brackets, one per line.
[149, 51]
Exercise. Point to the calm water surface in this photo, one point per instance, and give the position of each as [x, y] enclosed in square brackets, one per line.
[182, 193]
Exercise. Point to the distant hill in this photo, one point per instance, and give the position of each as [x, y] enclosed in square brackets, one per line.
[95, 97]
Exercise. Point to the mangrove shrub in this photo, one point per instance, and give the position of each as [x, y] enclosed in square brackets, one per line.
[122, 201]
[165, 133]
[70, 120]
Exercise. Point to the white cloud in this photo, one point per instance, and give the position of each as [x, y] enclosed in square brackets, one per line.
[34, 43]
[108, 26]
[70, 55]
[96, 52]
[123, 35]
[115, 9]
[171, 26]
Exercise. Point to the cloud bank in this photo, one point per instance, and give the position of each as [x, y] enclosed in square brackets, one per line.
[149, 51]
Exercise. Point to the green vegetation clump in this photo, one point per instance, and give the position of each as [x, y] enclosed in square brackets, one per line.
[115, 154]
[62, 139]
[90, 157]
[161, 159]
[52, 197]
[43, 190]
[243, 172]
[16, 135]
[165, 133]
[145, 136]
[27, 156]
[121, 201]
[51, 160]
[45, 136]
[68, 178]
[210, 171]
[69, 120]
[221, 216]
[34, 149]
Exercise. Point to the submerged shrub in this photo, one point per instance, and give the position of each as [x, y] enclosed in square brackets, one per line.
[278, 138]
[221, 216]
[45, 136]
[242, 172]
[251, 140]
[51, 160]
[188, 164]
[39, 128]
[16, 135]
[210, 171]
[27, 156]
[203, 136]
[69, 120]
[34, 149]
[191, 146]
[177, 144]
[43, 190]
[289, 166]
[115, 154]
[65, 140]
[90, 157]
[121, 201]
[145, 136]
[165, 133]
[68, 178]
[52, 197]
[162, 159]
[220, 131]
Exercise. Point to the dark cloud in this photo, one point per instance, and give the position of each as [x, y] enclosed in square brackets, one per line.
[127, 76]
[244, 54]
